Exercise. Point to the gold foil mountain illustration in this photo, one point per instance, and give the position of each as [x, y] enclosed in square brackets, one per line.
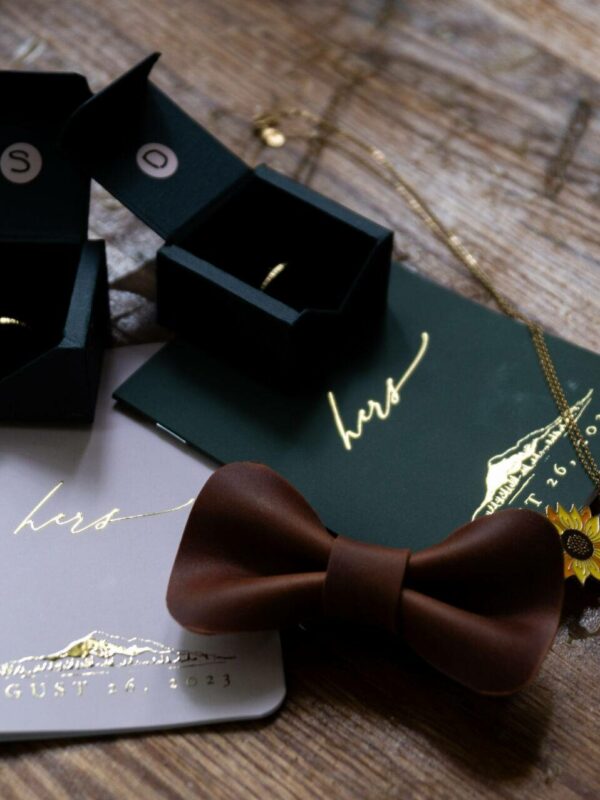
[508, 473]
[99, 652]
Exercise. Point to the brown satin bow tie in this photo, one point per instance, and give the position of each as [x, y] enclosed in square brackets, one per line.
[482, 606]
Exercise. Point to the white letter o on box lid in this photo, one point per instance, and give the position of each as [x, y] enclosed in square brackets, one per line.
[157, 160]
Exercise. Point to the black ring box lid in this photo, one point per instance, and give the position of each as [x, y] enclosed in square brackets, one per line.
[226, 226]
[55, 205]
[52, 277]
[108, 129]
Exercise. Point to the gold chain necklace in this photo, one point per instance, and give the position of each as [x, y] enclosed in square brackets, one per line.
[579, 530]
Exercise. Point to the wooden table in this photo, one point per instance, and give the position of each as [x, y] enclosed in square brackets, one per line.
[490, 108]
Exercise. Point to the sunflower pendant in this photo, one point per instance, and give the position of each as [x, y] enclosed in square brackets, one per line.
[579, 533]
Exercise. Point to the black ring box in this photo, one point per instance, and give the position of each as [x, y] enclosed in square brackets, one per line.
[53, 284]
[226, 227]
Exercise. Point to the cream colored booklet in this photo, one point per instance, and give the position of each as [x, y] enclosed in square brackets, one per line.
[91, 519]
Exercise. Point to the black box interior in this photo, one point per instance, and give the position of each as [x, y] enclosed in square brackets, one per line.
[323, 255]
[36, 284]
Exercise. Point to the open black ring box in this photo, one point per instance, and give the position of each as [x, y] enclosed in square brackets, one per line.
[227, 227]
[53, 287]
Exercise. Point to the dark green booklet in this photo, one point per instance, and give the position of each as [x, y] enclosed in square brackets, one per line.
[444, 418]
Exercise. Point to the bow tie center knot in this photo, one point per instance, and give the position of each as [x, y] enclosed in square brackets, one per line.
[363, 583]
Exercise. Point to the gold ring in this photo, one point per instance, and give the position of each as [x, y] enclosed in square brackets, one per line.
[277, 270]
[13, 322]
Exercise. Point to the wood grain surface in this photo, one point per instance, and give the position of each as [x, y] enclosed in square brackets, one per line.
[491, 108]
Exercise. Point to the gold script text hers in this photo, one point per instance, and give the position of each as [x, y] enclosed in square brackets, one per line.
[374, 408]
